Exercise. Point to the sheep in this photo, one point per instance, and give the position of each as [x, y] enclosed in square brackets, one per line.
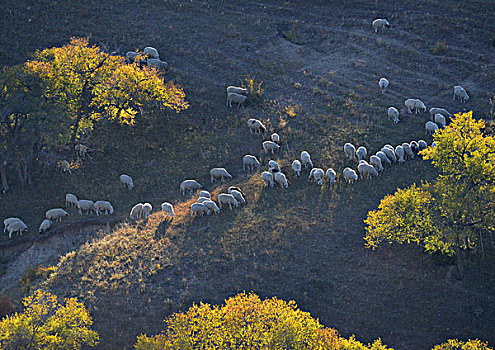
[383, 157]
[190, 186]
[422, 145]
[383, 84]
[367, 170]
[350, 175]
[380, 23]
[237, 90]
[126, 181]
[399, 151]
[158, 64]
[377, 162]
[136, 212]
[460, 93]
[70, 200]
[408, 152]
[85, 205]
[9, 221]
[393, 113]
[64, 166]
[250, 162]
[211, 205]
[130, 56]
[316, 175]
[275, 137]
[270, 146]
[441, 111]
[45, 226]
[273, 166]
[199, 208]
[151, 52]
[203, 199]
[416, 104]
[390, 153]
[18, 227]
[204, 193]
[296, 166]
[227, 198]
[306, 160]
[238, 196]
[56, 214]
[431, 127]
[281, 179]
[147, 209]
[219, 173]
[168, 209]
[234, 188]
[331, 175]
[267, 178]
[256, 126]
[103, 206]
[350, 150]
[236, 98]
[440, 120]
[361, 152]
[414, 147]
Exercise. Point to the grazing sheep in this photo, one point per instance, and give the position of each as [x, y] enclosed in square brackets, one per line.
[219, 173]
[237, 90]
[84, 205]
[416, 104]
[168, 209]
[126, 181]
[204, 193]
[414, 147]
[441, 111]
[296, 166]
[250, 162]
[306, 160]
[190, 186]
[234, 188]
[236, 98]
[136, 212]
[331, 175]
[275, 138]
[45, 226]
[399, 152]
[431, 127]
[408, 152]
[151, 52]
[350, 150]
[56, 214]
[130, 56]
[383, 84]
[103, 206]
[377, 162]
[380, 23]
[440, 120]
[203, 199]
[158, 64]
[238, 196]
[256, 126]
[460, 93]
[267, 178]
[281, 179]
[211, 205]
[64, 166]
[366, 171]
[199, 208]
[270, 146]
[361, 153]
[383, 157]
[227, 198]
[9, 221]
[350, 175]
[147, 209]
[18, 227]
[70, 200]
[316, 175]
[393, 113]
[273, 166]
[422, 145]
[390, 153]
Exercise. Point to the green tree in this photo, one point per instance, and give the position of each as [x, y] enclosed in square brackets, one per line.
[47, 324]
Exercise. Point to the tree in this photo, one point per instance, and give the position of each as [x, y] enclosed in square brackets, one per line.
[454, 344]
[452, 213]
[46, 324]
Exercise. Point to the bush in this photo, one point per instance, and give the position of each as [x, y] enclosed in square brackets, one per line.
[454, 344]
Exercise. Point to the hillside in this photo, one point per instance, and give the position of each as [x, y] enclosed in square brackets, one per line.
[319, 65]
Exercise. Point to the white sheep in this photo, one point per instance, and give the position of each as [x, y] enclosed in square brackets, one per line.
[270, 146]
[158, 64]
[168, 209]
[256, 126]
[383, 157]
[204, 193]
[56, 214]
[151, 52]
[236, 98]
[84, 205]
[103, 206]
[203, 199]
[441, 111]
[190, 186]
[70, 200]
[136, 212]
[227, 198]
[281, 179]
[399, 152]
[331, 175]
[361, 152]
[416, 104]
[130, 56]
[238, 196]
[393, 113]
[147, 209]
[234, 188]
[349, 175]
[440, 120]
[316, 175]
[45, 226]
[377, 162]
[250, 162]
[422, 145]
[199, 208]
[350, 150]
[390, 153]
[267, 178]
[18, 227]
[431, 127]
[296, 166]
[237, 90]
[306, 160]
[380, 23]
[9, 221]
[219, 173]
[383, 84]
[408, 152]
[366, 171]
[273, 166]
[460, 93]
[211, 205]
[275, 137]
[126, 181]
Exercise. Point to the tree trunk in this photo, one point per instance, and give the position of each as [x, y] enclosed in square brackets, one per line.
[25, 172]
[460, 262]
[20, 174]
[3, 175]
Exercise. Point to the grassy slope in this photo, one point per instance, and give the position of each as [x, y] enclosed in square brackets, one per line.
[304, 243]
